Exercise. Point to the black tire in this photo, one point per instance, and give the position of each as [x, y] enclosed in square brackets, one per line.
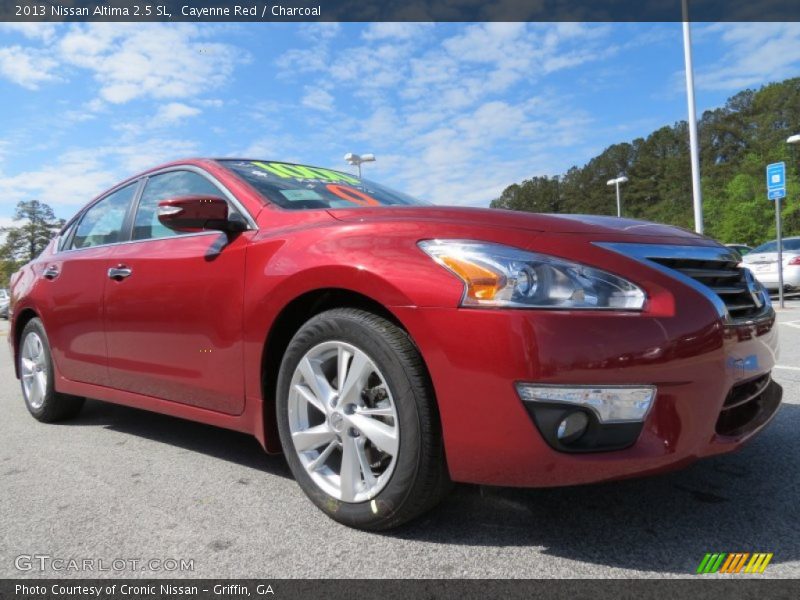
[54, 406]
[419, 480]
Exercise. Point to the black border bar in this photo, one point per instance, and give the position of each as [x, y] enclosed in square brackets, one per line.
[696, 587]
[400, 10]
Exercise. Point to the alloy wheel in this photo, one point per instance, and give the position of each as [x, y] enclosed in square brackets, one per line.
[33, 363]
[343, 421]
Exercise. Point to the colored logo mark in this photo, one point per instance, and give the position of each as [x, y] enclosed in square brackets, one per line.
[734, 562]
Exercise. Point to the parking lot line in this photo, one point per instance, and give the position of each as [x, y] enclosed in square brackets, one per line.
[787, 368]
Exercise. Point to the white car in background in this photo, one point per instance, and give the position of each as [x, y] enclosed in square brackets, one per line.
[763, 262]
[4, 301]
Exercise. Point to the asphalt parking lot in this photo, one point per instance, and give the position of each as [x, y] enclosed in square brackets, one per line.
[118, 483]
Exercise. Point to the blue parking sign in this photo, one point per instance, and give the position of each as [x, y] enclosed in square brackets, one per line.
[776, 181]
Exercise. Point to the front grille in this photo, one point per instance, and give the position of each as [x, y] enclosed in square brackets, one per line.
[723, 277]
[748, 405]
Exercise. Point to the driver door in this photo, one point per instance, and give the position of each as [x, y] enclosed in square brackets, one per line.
[174, 309]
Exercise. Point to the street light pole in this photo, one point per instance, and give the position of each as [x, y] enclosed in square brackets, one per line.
[694, 152]
[615, 182]
[792, 140]
[358, 159]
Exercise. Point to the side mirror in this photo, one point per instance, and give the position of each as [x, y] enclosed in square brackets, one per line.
[197, 213]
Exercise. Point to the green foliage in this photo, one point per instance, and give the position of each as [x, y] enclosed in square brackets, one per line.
[737, 141]
[25, 242]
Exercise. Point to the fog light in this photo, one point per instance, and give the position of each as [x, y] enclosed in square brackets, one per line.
[572, 427]
[611, 404]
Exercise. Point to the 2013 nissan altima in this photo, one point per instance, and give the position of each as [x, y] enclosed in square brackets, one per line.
[388, 347]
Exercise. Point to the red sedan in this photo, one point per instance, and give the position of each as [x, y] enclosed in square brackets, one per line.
[388, 347]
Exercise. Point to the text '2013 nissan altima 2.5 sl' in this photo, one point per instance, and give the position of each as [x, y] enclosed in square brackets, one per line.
[387, 346]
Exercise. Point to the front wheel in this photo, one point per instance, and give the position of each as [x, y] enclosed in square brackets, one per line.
[358, 421]
[38, 378]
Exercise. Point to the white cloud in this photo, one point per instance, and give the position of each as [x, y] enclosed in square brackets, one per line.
[460, 70]
[128, 159]
[318, 99]
[26, 67]
[173, 112]
[457, 108]
[71, 180]
[757, 52]
[320, 31]
[487, 42]
[173, 67]
[128, 61]
[460, 104]
[260, 148]
[95, 105]
[75, 177]
[489, 58]
[36, 31]
[458, 156]
[158, 61]
[395, 30]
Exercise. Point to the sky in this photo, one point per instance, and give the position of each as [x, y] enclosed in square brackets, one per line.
[453, 112]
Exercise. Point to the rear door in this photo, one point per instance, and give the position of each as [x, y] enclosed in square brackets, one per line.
[174, 319]
[73, 283]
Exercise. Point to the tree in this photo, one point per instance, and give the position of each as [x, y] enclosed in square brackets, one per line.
[25, 242]
[540, 194]
[736, 142]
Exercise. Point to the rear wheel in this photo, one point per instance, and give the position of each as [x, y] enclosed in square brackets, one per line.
[38, 378]
[358, 420]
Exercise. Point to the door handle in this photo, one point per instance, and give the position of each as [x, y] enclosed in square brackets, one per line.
[51, 272]
[119, 272]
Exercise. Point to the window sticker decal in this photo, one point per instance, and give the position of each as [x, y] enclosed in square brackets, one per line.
[303, 187]
[301, 194]
[286, 171]
[352, 195]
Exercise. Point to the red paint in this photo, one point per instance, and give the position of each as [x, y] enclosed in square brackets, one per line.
[193, 212]
[185, 334]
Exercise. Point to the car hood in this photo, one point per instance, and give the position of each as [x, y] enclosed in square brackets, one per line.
[490, 217]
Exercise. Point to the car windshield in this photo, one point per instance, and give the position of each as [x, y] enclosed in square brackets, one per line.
[299, 186]
[790, 244]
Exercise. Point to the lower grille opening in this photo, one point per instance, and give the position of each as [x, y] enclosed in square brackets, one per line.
[748, 405]
[742, 393]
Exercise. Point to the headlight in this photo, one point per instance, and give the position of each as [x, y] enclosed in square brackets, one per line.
[501, 276]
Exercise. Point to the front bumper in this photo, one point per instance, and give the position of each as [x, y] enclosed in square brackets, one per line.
[475, 357]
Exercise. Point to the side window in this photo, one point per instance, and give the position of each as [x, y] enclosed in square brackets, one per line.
[102, 223]
[64, 237]
[161, 187]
